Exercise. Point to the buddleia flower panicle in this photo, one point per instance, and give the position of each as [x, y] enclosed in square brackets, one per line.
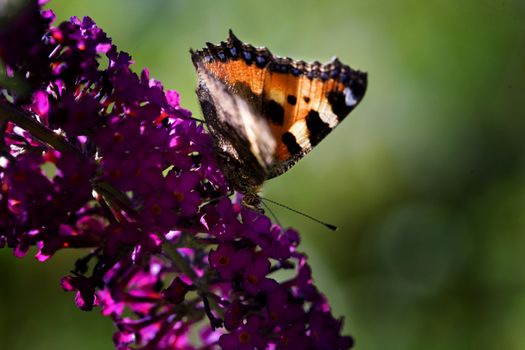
[95, 156]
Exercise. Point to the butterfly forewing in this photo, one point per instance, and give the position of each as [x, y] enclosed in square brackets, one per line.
[261, 96]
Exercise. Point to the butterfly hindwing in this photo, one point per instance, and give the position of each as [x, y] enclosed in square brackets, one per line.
[242, 138]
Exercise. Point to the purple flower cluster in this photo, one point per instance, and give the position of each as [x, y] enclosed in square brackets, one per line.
[102, 158]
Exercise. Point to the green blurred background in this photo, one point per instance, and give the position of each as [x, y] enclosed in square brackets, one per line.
[426, 178]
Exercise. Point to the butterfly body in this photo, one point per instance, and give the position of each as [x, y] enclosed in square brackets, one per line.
[266, 112]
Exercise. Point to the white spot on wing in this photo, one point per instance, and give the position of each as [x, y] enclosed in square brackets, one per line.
[349, 97]
[300, 131]
[328, 116]
[277, 96]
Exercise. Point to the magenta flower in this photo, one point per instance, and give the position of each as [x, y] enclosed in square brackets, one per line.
[177, 290]
[247, 337]
[228, 261]
[94, 156]
[184, 189]
[255, 280]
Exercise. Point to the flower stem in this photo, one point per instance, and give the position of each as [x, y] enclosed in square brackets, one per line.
[36, 129]
[182, 264]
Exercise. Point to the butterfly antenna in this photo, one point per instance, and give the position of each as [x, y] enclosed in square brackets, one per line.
[271, 213]
[198, 120]
[325, 224]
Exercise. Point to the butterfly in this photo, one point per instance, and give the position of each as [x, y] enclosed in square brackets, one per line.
[266, 112]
